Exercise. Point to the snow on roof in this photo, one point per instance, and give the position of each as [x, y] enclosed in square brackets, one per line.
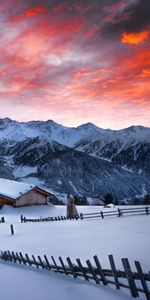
[14, 189]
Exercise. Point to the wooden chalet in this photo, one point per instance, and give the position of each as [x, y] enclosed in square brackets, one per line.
[19, 194]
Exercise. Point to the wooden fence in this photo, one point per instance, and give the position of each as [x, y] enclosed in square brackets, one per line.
[126, 278]
[47, 219]
[119, 212]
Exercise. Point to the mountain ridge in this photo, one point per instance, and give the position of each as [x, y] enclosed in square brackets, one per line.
[85, 160]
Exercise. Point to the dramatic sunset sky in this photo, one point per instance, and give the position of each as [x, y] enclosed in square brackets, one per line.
[75, 61]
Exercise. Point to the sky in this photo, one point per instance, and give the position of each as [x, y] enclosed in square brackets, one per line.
[76, 61]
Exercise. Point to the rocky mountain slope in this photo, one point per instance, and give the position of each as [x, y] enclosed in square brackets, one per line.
[129, 148]
[86, 160]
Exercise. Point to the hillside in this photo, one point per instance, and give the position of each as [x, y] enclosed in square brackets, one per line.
[86, 160]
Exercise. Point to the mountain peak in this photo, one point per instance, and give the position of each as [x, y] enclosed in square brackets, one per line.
[89, 126]
[135, 127]
[6, 120]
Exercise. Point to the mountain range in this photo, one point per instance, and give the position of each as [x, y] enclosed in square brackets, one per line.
[86, 160]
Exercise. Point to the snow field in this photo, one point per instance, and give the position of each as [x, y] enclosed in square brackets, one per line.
[25, 283]
[123, 237]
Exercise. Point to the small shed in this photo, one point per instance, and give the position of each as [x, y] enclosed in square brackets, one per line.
[19, 194]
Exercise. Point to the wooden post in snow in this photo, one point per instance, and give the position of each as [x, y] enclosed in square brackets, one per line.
[71, 208]
[12, 229]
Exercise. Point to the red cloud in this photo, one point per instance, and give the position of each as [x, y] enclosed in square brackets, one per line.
[36, 69]
[117, 7]
[134, 38]
[29, 12]
[34, 11]
[80, 7]
[112, 12]
[90, 32]
[33, 44]
[73, 25]
[58, 8]
[126, 82]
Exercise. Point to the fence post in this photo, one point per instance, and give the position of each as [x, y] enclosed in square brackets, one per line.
[9, 254]
[21, 255]
[81, 216]
[34, 260]
[130, 277]
[92, 271]
[114, 271]
[119, 212]
[102, 215]
[13, 256]
[143, 281]
[82, 269]
[48, 264]
[21, 217]
[98, 265]
[3, 220]
[56, 267]
[12, 229]
[5, 255]
[18, 258]
[71, 267]
[63, 265]
[147, 211]
[28, 259]
[41, 262]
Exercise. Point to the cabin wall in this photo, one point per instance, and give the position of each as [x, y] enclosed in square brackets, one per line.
[4, 201]
[31, 198]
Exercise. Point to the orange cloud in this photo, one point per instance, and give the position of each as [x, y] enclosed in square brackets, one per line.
[134, 38]
[136, 61]
[146, 72]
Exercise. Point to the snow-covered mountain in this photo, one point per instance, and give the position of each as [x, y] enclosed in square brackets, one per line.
[86, 160]
[69, 136]
[129, 148]
[19, 131]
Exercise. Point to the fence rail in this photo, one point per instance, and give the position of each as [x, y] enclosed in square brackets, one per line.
[96, 273]
[119, 212]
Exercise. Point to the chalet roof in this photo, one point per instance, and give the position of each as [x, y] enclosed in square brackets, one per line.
[14, 189]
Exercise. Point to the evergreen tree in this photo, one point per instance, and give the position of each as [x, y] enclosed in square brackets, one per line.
[147, 199]
[108, 199]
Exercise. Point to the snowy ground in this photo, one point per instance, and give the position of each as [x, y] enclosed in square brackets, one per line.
[26, 284]
[127, 236]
